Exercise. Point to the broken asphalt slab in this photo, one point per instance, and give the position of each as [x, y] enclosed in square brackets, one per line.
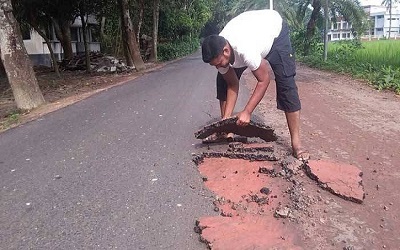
[253, 129]
[246, 201]
[238, 150]
[340, 179]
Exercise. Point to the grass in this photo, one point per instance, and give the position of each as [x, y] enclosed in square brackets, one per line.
[11, 119]
[376, 53]
[376, 61]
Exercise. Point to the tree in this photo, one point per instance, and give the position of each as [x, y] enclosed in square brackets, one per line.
[156, 16]
[28, 13]
[62, 13]
[16, 62]
[295, 12]
[350, 10]
[311, 25]
[131, 48]
[389, 5]
[85, 8]
[140, 18]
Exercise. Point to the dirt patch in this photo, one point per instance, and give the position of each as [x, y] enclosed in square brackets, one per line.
[345, 120]
[71, 87]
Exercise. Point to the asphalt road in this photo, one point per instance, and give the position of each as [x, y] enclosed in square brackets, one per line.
[113, 171]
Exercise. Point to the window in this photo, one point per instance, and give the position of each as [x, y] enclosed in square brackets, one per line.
[335, 36]
[335, 26]
[380, 16]
[74, 34]
[344, 26]
[379, 29]
[348, 35]
[344, 35]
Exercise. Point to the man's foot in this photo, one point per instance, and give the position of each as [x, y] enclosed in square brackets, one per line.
[301, 155]
[214, 138]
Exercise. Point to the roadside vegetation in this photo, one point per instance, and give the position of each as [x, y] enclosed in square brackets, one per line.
[378, 62]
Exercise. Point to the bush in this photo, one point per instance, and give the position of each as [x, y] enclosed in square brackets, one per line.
[177, 48]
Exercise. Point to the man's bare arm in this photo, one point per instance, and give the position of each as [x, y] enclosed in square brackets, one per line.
[263, 78]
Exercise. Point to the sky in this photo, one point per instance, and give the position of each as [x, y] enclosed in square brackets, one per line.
[371, 2]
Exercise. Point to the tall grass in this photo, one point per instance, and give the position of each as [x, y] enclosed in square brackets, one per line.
[376, 61]
[376, 53]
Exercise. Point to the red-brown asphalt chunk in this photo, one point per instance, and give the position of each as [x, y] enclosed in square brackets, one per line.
[247, 232]
[253, 129]
[246, 219]
[340, 179]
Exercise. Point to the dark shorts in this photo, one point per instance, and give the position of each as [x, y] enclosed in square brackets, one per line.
[282, 61]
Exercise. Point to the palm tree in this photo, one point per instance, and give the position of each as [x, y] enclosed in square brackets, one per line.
[389, 5]
[349, 9]
[296, 12]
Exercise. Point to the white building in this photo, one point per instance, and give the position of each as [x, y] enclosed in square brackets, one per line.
[380, 17]
[340, 30]
[380, 22]
[39, 52]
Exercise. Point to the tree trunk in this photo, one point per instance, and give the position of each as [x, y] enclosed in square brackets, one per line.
[156, 14]
[35, 26]
[85, 42]
[47, 41]
[141, 13]
[131, 43]
[125, 46]
[102, 27]
[311, 25]
[63, 34]
[16, 61]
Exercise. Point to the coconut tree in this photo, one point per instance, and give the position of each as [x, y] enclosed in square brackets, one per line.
[296, 11]
[389, 5]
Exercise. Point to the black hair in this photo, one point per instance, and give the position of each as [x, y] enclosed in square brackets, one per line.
[211, 47]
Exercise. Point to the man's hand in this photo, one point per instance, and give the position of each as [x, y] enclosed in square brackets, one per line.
[243, 118]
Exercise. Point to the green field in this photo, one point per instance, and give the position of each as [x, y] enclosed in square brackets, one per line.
[376, 61]
[377, 53]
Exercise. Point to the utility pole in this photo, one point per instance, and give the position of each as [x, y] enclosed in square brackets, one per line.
[326, 30]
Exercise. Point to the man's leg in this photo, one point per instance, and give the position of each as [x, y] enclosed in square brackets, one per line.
[222, 105]
[293, 121]
[283, 64]
[221, 96]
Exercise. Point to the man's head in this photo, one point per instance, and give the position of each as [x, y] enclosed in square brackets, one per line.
[216, 51]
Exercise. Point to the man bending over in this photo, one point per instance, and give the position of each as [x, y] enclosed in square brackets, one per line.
[245, 42]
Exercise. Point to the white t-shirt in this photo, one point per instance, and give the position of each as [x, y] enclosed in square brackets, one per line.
[251, 35]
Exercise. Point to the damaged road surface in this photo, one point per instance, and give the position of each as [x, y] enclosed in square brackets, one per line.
[116, 171]
[260, 196]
